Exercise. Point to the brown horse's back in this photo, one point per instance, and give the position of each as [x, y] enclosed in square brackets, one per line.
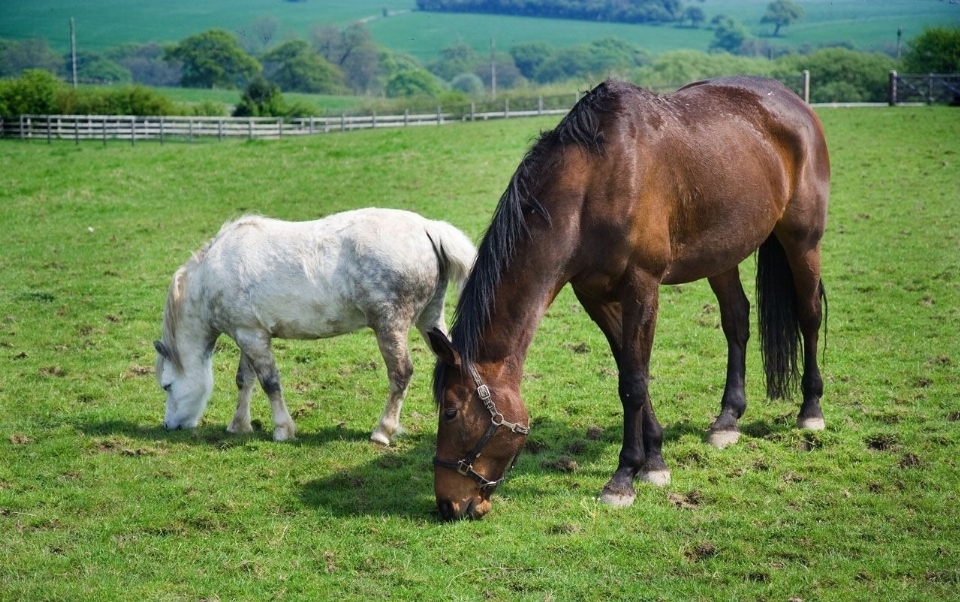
[695, 181]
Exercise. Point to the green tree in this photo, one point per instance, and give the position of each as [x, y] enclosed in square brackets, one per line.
[145, 63]
[695, 15]
[728, 35]
[214, 59]
[529, 56]
[936, 50]
[35, 53]
[95, 67]
[782, 13]
[295, 67]
[453, 61]
[468, 83]
[353, 51]
[412, 82]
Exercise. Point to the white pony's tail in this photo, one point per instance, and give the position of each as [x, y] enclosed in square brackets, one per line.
[455, 252]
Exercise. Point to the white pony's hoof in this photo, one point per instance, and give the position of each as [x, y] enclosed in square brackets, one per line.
[616, 500]
[660, 478]
[722, 439]
[811, 424]
[380, 438]
[239, 429]
[284, 432]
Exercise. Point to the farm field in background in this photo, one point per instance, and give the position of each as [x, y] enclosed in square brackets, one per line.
[98, 501]
[100, 25]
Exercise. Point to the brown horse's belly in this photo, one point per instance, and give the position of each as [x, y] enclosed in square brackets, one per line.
[706, 261]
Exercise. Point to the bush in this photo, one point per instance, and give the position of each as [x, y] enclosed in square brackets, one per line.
[33, 93]
[261, 99]
[468, 83]
[863, 76]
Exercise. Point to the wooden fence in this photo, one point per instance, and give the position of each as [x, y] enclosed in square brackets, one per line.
[930, 88]
[135, 128]
[903, 89]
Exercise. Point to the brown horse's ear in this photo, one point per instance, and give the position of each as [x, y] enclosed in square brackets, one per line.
[161, 349]
[443, 348]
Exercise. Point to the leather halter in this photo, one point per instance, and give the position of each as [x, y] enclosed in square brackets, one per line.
[465, 466]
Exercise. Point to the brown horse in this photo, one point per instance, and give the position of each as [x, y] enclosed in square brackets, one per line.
[630, 191]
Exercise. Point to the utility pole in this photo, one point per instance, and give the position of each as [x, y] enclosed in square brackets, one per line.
[73, 50]
[493, 68]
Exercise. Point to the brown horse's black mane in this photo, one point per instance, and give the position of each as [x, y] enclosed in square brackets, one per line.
[580, 127]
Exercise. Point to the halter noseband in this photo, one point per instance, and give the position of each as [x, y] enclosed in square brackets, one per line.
[465, 466]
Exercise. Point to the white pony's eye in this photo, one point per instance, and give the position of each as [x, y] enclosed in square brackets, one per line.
[166, 387]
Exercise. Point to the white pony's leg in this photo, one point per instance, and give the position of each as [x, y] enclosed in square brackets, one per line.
[257, 349]
[393, 348]
[246, 379]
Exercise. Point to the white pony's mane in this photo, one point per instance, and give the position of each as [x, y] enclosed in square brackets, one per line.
[173, 309]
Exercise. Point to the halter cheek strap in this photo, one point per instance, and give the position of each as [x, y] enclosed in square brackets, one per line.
[465, 466]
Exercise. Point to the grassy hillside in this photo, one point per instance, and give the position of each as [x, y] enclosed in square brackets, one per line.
[99, 502]
[101, 24]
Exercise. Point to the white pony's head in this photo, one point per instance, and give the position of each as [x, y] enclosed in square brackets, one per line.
[184, 359]
[188, 386]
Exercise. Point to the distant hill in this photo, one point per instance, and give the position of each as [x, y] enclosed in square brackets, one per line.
[397, 25]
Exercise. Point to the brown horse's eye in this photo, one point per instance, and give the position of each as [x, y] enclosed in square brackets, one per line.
[450, 413]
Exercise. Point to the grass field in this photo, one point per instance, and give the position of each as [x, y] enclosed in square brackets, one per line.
[101, 24]
[97, 501]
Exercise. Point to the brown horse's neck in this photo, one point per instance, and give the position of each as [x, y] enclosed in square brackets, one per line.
[528, 285]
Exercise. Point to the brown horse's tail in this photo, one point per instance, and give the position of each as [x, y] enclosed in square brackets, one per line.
[780, 342]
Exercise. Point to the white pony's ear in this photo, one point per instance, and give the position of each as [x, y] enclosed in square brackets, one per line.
[443, 348]
[162, 349]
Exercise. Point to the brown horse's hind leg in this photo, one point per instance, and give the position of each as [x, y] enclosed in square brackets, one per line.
[805, 266]
[246, 379]
[735, 322]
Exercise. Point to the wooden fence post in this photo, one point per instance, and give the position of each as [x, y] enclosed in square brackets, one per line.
[406, 117]
[48, 129]
[133, 131]
[806, 86]
[439, 116]
[893, 88]
[473, 111]
[929, 88]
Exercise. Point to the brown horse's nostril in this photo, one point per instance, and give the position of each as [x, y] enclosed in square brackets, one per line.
[446, 510]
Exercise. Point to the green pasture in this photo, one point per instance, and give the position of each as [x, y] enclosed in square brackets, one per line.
[99, 502]
[101, 24]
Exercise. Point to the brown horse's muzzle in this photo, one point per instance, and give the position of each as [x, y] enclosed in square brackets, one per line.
[472, 508]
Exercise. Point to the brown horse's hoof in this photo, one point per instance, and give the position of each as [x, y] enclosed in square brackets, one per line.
[617, 496]
[811, 424]
[660, 478]
[722, 439]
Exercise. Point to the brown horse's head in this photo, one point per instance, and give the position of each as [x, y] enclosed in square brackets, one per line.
[482, 428]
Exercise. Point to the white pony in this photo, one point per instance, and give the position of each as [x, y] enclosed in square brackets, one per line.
[262, 278]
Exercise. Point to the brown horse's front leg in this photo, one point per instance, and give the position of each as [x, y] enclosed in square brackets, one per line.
[735, 322]
[640, 454]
